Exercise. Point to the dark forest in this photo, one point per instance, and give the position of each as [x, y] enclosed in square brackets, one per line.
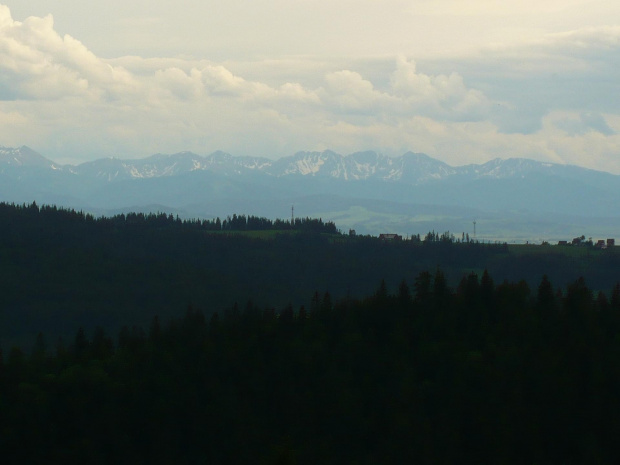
[147, 339]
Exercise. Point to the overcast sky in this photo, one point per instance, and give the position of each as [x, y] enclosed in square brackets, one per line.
[463, 81]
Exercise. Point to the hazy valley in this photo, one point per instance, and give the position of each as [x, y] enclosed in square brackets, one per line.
[510, 200]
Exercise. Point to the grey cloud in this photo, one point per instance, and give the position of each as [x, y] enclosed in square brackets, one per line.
[597, 122]
[575, 71]
[584, 123]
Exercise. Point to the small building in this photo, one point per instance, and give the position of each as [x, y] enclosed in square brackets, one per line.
[611, 242]
[600, 244]
[562, 242]
[390, 237]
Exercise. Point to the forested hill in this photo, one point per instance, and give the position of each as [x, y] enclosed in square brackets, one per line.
[54, 218]
[482, 374]
[62, 269]
[146, 339]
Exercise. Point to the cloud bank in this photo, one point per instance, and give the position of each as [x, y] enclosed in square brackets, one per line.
[551, 99]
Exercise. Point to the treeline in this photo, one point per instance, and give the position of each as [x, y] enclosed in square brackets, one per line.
[480, 373]
[47, 215]
[61, 269]
[447, 237]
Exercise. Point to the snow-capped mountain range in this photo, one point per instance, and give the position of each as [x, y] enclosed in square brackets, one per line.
[410, 168]
[365, 190]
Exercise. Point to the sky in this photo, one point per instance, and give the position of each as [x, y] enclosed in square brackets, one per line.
[464, 82]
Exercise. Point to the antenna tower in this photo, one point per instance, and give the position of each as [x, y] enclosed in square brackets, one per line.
[292, 215]
[474, 229]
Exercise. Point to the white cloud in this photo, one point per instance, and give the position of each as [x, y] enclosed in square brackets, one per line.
[38, 63]
[348, 92]
[495, 8]
[606, 37]
[442, 95]
[550, 99]
[180, 84]
[238, 29]
[295, 93]
[583, 51]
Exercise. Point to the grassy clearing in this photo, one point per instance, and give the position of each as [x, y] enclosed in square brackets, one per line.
[513, 227]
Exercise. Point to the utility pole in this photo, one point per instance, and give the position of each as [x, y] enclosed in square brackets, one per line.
[474, 229]
[292, 215]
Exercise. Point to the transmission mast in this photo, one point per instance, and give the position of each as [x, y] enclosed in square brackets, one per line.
[474, 229]
[292, 216]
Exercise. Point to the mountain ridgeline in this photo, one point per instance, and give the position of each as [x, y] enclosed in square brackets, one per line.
[410, 168]
[514, 199]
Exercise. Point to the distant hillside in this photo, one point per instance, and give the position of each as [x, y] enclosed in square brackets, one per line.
[61, 269]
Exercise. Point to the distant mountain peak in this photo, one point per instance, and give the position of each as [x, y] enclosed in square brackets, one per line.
[24, 156]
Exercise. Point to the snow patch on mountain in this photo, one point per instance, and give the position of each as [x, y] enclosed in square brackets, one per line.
[410, 168]
[306, 167]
